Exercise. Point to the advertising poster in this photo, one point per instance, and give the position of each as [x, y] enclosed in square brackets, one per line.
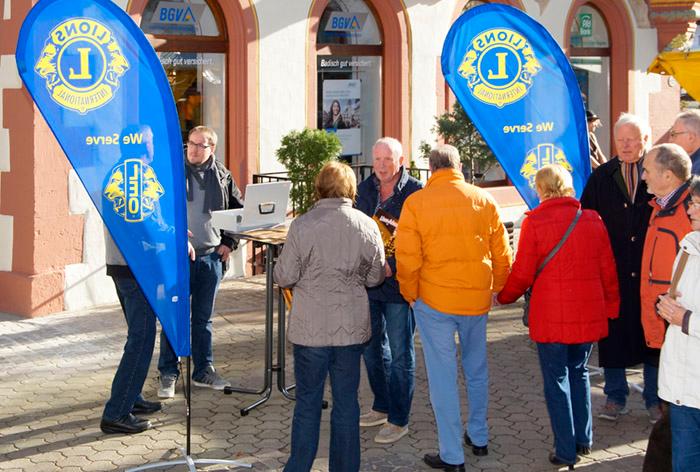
[341, 113]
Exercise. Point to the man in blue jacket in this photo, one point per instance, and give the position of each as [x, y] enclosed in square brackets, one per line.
[390, 355]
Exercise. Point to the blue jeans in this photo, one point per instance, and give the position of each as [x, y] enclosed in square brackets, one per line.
[390, 359]
[617, 390]
[685, 438]
[138, 350]
[311, 367]
[437, 332]
[567, 392]
[205, 276]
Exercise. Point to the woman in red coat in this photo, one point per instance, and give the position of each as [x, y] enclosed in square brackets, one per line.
[572, 298]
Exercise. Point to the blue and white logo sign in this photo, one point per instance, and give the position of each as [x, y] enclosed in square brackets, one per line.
[346, 22]
[177, 13]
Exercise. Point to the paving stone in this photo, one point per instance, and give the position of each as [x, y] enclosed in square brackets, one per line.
[55, 425]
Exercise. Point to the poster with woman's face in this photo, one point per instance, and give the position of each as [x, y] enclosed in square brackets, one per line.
[341, 113]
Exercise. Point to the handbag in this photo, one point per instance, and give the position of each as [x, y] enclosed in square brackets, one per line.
[552, 253]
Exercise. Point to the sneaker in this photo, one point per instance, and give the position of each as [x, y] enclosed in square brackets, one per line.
[654, 413]
[167, 386]
[390, 433]
[211, 379]
[611, 411]
[373, 418]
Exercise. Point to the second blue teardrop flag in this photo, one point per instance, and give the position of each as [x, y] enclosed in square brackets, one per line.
[517, 86]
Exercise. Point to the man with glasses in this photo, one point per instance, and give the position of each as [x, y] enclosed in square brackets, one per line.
[686, 133]
[618, 193]
[210, 187]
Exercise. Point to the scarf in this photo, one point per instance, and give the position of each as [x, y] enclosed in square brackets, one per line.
[208, 182]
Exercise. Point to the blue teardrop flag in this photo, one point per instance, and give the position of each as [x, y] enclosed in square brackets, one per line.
[103, 92]
[517, 86]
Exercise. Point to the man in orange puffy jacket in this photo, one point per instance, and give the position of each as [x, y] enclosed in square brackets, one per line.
[666, 172]
[452, 255]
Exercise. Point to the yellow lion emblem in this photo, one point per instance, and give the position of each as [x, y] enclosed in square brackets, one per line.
[540, 156]
[82, 63]
[499, 66]
[134, 190]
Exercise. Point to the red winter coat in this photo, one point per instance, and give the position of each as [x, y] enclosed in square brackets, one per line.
[577, 291]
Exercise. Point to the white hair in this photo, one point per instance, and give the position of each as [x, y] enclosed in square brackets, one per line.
[393, 144]
[637, 122]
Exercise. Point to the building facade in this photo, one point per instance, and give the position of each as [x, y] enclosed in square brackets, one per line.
[256, 69]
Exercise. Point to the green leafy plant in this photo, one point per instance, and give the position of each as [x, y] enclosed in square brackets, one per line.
[456, 128]
[303, 153]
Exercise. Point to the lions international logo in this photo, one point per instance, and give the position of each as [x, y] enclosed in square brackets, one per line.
[82, 63]
[499, 66]
[134, 190]
[539, 157]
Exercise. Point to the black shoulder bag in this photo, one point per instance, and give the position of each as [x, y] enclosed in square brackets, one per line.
[552, 253]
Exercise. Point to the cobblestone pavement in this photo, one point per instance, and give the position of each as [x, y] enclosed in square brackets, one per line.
[55, 375]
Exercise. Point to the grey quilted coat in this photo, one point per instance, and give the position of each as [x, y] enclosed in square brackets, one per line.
[332, 253]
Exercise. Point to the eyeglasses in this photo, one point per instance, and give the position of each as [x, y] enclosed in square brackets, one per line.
[201, 147]
[673, 134]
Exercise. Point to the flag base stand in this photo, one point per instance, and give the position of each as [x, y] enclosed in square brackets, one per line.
[186, 452]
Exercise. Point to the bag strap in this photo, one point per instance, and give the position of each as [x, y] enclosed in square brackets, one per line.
[554, 251]
[677, 274]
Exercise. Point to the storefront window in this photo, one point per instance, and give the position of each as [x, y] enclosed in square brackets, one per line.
[191, 50]
[349, 102]
[197, 81]
[593, 75]
[190, 18]
[349, 65]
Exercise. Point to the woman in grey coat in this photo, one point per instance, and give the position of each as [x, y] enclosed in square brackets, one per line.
[332, 253]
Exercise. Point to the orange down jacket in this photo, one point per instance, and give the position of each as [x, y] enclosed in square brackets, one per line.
[666, 229]
[452, 249]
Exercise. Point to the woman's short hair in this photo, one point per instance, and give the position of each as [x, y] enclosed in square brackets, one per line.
[553, 181]
[694, 186]
[335, 180]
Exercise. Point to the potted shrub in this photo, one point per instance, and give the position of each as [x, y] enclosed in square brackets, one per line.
[303, 153]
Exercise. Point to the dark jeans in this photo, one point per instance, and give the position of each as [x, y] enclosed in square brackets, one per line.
[567, 392]
[617, 390]
[311, 367]
[205, 276]
[390, 359]
[685, 438]
[138, 350]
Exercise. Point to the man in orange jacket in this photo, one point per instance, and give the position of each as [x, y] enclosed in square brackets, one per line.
[666, 172]
[452, 255]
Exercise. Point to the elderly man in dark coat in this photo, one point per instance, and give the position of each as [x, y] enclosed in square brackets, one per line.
[617, 192]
